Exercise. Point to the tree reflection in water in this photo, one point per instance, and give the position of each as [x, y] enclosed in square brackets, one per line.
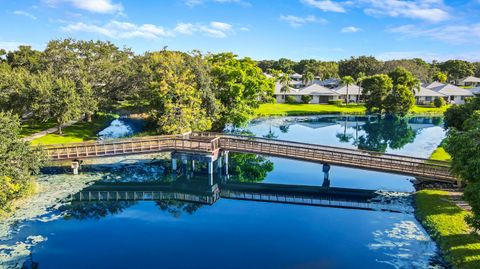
[384, 133]
[94, 210]
[249, 167]
[175, 208]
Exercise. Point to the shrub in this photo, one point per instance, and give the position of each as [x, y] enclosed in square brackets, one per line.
[439, 102]
[290, 100]
[306, 99]
[335, 102]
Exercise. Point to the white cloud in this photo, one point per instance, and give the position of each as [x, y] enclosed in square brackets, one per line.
[95, 6]
[117, 29]
[350, 29]
[295, 21]
[24, 13]
[428, 10]
[428, 56]
[123, 30]
[454, 34]
[9, 45]
[326, 5]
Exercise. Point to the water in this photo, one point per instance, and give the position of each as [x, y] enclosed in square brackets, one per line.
[122, 127]
[232, 233]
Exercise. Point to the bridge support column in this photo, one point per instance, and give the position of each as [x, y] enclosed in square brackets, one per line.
[326, 174]
[76, 165]
[225, 155]
[210, 167]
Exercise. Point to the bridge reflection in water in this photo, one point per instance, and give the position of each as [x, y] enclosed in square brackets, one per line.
[202, 192]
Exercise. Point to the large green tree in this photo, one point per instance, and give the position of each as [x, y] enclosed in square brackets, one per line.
[457, 69]
[375, 90]
[18, 160]
[365, 64]
[171, 93]
[240, 86]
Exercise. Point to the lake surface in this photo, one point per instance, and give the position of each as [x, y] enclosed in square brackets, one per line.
[224, 232]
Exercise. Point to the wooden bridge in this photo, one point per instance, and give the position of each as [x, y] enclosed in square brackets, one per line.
[212, 143]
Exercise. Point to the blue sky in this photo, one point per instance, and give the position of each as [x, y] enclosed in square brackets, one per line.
[296, 29]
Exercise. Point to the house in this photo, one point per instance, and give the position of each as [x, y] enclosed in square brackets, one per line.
[452, 93]
[469, 81]
[426, 96]
[320, 94]
[330, 83]
[354, 93]
[476, 90]
[433, 85]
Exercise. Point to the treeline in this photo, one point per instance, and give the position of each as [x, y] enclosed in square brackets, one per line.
[179, 91]
[368, 66]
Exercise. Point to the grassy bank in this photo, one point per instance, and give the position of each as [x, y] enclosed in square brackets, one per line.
[445, 222]
[30, 129]
[315, 109]
[78, 132]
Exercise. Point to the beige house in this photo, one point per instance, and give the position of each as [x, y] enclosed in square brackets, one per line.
[469, 81]
[320, 94]
[453, 94]
[354, 93]
[426, 96]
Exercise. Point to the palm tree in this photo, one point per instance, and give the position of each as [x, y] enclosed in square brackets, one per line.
[360, 77]
[347, 80]
[308, 78]
[284, 79]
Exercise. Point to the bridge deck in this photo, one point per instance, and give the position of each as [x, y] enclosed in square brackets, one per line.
[211, 143]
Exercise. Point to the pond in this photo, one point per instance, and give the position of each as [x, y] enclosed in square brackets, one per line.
[181, 220]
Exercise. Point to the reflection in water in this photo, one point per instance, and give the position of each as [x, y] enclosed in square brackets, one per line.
[414, 136]
[249, 167]
[386, 133]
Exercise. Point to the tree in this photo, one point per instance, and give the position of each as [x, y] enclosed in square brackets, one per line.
[306, 99]
[440, 77]
[308, 77]
[284, 79]
[64, 102]
[439, 102]
[399, 101]
[375, 89]
[463, 144]
[401, 76]
[171, 94]
[457, 69]
[284, 64]
[418, 67]
[456, 115]
[347, 81]
[18, 160]
[25, 57]
[240, 86]
[353, 66]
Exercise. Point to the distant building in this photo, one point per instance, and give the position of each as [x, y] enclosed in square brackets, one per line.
[469, 81]
[426, 96]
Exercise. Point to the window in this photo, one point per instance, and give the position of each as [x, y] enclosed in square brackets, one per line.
[428, 98]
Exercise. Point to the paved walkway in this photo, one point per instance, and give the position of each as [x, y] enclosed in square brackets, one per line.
[48, 131]
[456, 198]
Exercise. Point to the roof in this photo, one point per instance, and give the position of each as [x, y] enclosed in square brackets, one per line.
[428, 92]
[316, 89]
[470, 79]
[476, 90]
[434, 85]
[452, 90]
[279, 86]
[296, 75]
[352, 90]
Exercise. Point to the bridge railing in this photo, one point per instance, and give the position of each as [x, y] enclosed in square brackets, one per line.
[321, 147]
[333, 156]
[129, 146]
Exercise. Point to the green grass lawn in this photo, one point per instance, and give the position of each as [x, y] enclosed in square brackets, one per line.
[29, 129]
[446, 224]
[307, 109]
[78, 132]
[440, 155]
[314, 109]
